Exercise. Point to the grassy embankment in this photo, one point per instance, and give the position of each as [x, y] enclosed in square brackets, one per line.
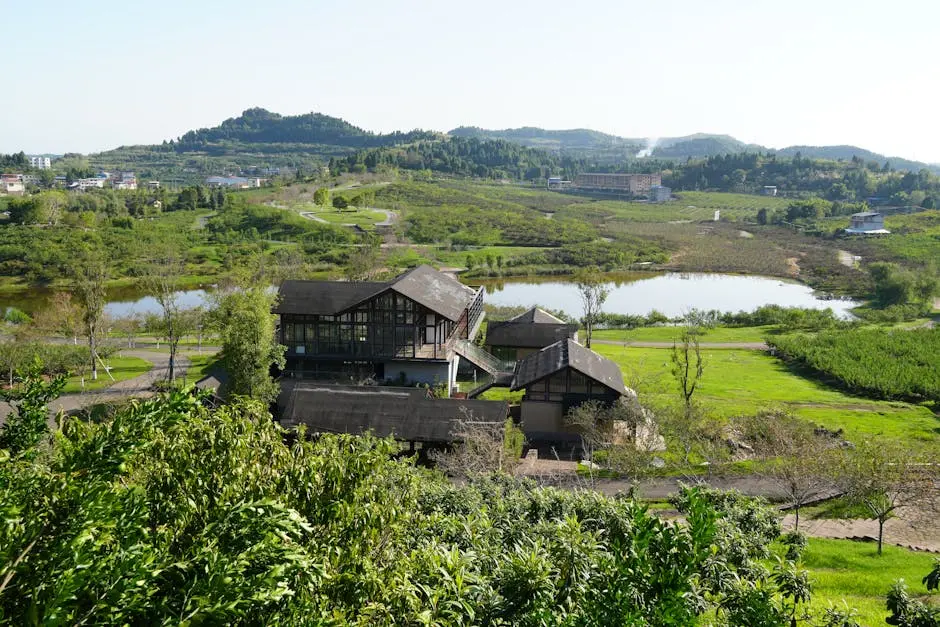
[852, 571]
[122, 369]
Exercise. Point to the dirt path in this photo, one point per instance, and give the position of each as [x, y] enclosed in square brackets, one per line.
[847, 259]
[140, 387]
[756, 346]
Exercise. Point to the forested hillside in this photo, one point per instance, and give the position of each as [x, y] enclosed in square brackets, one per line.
[260, 126]
[605, 149]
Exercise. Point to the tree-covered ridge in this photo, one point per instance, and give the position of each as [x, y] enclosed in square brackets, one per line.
[259, 126]
[461, 156]
[607, 149]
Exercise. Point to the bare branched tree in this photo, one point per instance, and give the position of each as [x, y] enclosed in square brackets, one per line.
[886, 476]
[799, 461]
[161, 281]
[594, 293]
[481, 448]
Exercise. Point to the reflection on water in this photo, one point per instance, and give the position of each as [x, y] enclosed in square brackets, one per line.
[635, 293]
[672, 294]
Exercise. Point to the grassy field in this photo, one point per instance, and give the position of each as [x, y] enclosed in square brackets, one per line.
[201, 364]
[853, 572]
[122, 368]
[737, 382]
[669, 334]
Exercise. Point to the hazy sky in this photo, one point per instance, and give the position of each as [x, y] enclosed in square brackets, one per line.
[88, 77]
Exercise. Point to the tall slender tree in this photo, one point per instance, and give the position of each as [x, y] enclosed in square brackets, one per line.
[89, 276]
[594, 292]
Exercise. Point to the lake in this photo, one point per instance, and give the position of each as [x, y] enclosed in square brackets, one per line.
[633, 293]
[673, 294]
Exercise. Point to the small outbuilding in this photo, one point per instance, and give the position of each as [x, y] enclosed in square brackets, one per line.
[867, 223]
[560, 377]
[527, 333]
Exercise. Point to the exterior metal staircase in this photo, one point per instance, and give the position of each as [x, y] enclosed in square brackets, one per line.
[499, 373]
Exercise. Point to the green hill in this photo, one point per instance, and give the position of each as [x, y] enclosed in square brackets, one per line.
[260, 126]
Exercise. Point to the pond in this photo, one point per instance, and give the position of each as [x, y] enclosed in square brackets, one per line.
[122, 302]
[672, 294]
[632, 293]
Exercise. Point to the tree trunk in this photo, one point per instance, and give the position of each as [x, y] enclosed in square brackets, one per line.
[796, 526]
[172, 362]
[94, 364]
[881, 534]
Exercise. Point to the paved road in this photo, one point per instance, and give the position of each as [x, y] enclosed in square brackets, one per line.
[139, 387]
[756, 346]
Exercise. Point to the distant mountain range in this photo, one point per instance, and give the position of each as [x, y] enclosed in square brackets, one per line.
[259, 136]
[588, 143]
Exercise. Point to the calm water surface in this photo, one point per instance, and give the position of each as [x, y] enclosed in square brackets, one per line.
[636, 293]
[672, 294]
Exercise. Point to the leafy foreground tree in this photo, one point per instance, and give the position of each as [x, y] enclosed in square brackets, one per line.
[172, 512]
[249, 347]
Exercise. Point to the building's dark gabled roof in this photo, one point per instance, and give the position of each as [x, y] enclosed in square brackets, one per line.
[426, 286]
[323, 298]
[866, 214]
[435, 290]
[528, 335]
[536, 316]
[568, 354]
[405, 413]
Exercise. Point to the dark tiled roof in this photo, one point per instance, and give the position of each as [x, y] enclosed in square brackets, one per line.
[536, 316]
[424, 285]
[528, 335]
[323, 298]
[435, 290]
[405, 413]
[565, 354]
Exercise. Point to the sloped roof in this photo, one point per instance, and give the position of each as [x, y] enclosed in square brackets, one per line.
[405, 413]
[536, 316]
[426, 286]
[435, 290]
[866, 214]
[568, 354]
[323, 298]
[527, 334]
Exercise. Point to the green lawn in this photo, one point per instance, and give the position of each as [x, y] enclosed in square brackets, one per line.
[852, 571]
[201, 365]
[122, 368]
[362, 217]
[739, 382]
[668, 334]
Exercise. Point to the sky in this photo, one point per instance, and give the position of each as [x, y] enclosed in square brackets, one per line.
[817, 72]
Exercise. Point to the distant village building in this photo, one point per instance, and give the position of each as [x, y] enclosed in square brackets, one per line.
[153, 184]
[85, 184]
[125, 181]
[12, 184]
[768, 190]
[556, 182]
[235, 182]
[660, 193]
[867, 223]
[39, 162]
[627, 183]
